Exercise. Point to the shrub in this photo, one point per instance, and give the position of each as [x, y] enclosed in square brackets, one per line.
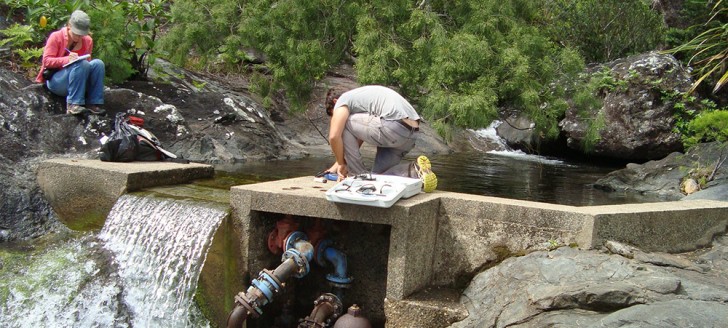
[605, 30]
[708, 51]
[19, 38]
[112, 47]
[462, 61]
[301, 39]
[706, 127]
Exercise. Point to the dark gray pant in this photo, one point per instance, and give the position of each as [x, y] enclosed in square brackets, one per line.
[393, 142]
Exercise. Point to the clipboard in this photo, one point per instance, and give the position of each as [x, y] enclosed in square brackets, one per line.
[77, 59]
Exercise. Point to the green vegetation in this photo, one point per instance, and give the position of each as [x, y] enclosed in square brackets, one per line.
[605, 30]
[124, 32]
[707, 50]
[697, 120]
[300, 39]
[458, 62]
[20, 38]
[707, 126]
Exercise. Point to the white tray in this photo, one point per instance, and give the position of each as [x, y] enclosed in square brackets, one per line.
[382, 191]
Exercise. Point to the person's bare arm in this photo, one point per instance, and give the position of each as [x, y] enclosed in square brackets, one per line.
[336, 130]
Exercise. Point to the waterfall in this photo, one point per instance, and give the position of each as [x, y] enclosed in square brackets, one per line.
[141, 270]
[490, 134]
[159, 247]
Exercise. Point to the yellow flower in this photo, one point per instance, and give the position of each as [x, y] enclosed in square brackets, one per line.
[43, 21]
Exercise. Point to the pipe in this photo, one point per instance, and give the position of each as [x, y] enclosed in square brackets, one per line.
[277, 237]
[316, 232]
[298, 247]
[237, 317]
[338, 259]
[327, 308]
[326, 253]
[262, 290]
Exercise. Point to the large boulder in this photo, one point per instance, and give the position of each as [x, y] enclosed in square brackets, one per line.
[638, 117]
[518, 131]
[576, 288]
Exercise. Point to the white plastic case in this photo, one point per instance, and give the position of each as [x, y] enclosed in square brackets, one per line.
[382, 191]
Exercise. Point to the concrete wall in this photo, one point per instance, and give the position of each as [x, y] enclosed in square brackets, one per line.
[413, 224]
[476, 232]
[83, 191]
[665, 227]
[444, 238]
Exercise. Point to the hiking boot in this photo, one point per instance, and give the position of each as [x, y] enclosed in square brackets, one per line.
[75, 109]
[424, 171]
[96, 110]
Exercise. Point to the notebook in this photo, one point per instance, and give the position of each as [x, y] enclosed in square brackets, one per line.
[77, 59]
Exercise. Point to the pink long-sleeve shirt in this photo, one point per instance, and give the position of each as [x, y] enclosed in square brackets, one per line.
[55, 54]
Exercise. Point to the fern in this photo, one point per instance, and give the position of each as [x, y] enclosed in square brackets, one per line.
[16, 36]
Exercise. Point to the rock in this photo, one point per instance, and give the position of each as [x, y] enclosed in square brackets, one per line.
[717, 192]
[662, 177]
[638, 119]
[620, 249]
[689, 186]
[518, 131]
[586, 288]
[674, 313]
[666, 260]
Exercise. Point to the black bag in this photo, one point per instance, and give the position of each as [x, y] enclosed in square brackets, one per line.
[122, 145]
[132, 143]
[48, 73]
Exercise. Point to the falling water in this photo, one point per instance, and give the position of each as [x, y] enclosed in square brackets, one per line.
[159, 247]
[140, 271]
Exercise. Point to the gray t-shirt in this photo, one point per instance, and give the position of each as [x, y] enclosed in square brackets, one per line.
[378, 101]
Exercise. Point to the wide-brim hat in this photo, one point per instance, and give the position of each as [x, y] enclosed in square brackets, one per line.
[80, 23]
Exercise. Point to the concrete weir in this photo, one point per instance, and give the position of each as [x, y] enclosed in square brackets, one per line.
[83, 191]
[409, 261]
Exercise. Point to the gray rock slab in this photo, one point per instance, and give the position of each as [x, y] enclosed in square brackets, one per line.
[585, 288]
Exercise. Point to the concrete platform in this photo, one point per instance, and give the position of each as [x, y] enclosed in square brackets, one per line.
[442, 239]
[83, 191]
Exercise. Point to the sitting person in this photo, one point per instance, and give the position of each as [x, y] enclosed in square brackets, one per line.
[381, 117]
[82, 82]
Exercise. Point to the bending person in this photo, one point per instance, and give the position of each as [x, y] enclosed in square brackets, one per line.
[82, 82]
[381, 117]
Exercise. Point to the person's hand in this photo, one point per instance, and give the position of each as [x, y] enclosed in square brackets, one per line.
[72, 56]
[342, 171]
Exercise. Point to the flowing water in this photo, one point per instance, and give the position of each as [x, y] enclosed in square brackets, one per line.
[141, 270]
